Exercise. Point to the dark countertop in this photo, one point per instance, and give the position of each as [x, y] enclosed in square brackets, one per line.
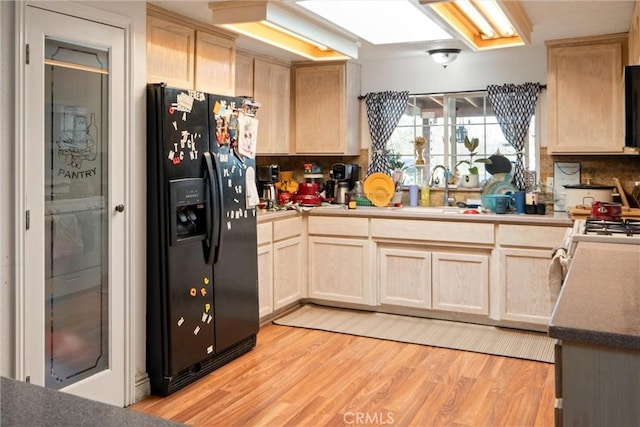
[599, 302]
[28, 405]
[425, 213]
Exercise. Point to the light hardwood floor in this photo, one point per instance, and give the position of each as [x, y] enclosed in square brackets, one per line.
[302, 377]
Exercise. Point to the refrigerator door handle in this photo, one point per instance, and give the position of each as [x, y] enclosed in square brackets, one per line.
[214, 236]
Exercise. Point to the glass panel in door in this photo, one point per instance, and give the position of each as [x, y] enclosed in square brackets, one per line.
[76, 223]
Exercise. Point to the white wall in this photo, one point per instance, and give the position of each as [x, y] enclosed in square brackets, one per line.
[470, 71]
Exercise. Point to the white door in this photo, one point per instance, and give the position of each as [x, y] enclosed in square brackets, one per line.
[74, 266]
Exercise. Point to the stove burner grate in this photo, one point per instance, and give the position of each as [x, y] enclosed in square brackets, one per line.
[628, 227]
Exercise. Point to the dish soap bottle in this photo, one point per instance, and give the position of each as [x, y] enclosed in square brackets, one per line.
[425, 196]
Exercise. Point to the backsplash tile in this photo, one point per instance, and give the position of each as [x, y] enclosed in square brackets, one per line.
[598, 169]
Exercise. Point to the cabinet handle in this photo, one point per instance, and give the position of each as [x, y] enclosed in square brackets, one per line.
[120, 208]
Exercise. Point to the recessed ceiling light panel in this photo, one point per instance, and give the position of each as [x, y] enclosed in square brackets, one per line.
[379, 21]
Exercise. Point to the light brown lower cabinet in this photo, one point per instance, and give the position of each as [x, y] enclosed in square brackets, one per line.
[461, 282]
[404, 275]
[524, 277]
[265, 268]
[339, 260]
[522, 257]
[265, 279]
[281, 264]
[463, 269]
[423, 277]
[289, 261]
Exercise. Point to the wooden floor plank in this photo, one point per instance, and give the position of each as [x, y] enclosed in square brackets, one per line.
[301, 377]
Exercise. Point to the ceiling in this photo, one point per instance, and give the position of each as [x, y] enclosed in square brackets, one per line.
[550, 19]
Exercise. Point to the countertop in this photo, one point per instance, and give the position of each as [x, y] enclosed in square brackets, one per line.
[426, 213]
[25, 404]
[599, 302]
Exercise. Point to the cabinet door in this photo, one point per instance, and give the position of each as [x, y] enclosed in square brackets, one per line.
[215, 64]
[634, 37]
[170, 53]
[272, 91]
[339, 270]
[404, 277]
[319, 109]
[461, 282]
[524, 279]
[244, 75]
[287, 276]
[265, 279]
[585, 98]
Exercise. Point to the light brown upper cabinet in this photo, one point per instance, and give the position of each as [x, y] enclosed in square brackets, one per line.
[634, 36]
[170, 53]
[272, 88]
[270, 85]
[244, 74]
[585, 90]
[326, 108]
[215, 64]
[189, 55]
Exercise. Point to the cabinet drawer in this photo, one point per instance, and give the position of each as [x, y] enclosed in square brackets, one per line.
[265, 233]
[287, 228]
[339, 226]
[438, 231]
[530, 235]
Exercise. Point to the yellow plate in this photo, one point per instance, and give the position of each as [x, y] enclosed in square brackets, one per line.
[379, 188]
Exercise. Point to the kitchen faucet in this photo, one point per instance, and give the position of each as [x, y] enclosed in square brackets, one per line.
[447, 175]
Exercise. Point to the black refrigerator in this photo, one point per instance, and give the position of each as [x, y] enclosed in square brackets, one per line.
[202, 273]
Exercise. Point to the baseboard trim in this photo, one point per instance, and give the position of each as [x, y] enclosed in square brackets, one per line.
[142, 387]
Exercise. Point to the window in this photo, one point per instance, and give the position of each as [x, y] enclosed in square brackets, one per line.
[450, 117]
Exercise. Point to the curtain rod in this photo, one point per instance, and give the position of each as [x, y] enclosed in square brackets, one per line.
[361, 97]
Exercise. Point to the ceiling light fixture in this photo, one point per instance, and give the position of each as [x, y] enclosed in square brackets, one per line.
[497, 16]
[274, 24]
[476, 17]
[485, 24]
[444, 56]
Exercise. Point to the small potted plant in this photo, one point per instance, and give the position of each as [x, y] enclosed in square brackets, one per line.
[393, 159]
[471, 179]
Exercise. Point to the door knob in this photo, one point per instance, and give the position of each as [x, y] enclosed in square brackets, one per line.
[120, 208]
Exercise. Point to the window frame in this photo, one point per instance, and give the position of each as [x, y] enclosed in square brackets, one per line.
[449, 122]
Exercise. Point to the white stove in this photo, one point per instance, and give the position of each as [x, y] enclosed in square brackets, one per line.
[592, 230]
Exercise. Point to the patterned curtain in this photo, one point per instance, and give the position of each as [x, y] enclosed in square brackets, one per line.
[514, 105]
[384, 110]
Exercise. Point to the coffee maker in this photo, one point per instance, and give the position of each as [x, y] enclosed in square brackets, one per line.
[267, 176]
[346, 176]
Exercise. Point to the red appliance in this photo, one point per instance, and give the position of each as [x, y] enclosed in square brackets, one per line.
[308, 199]
[607, 211]
[308, 189]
